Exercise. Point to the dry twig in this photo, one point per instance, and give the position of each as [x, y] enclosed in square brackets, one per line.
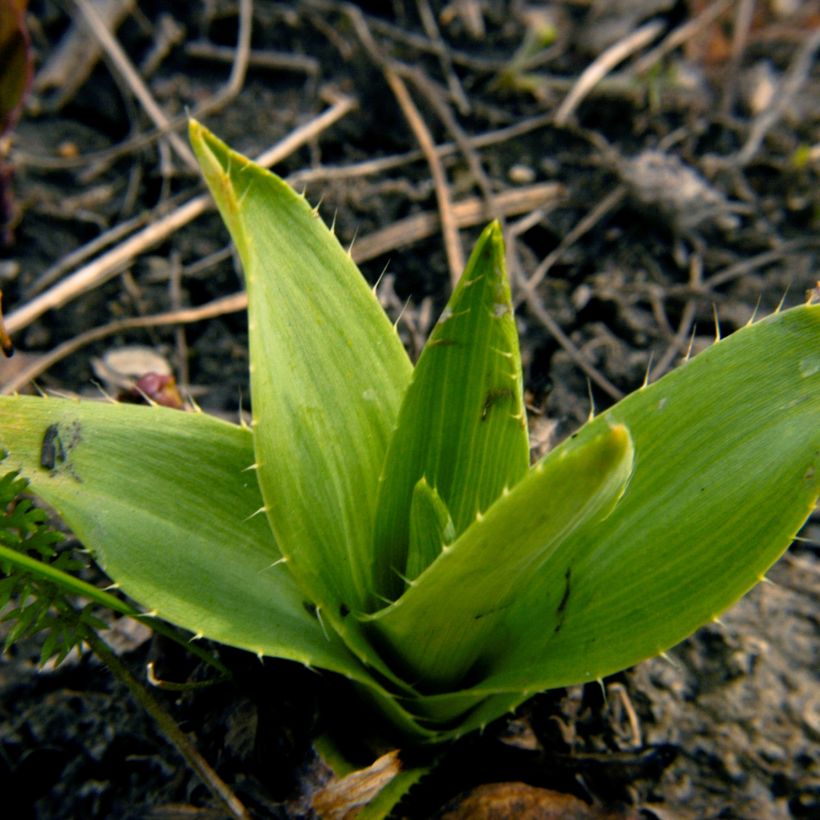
[794, 80]
[602, 65]
[675, 39]
[214, 783]
[466, 213]
[449, 229]
[100, 270]
[131, 76]
[584, 225]
[104, 158]
[740, 35]
[543, 315]
[469, 212]
[428, 20]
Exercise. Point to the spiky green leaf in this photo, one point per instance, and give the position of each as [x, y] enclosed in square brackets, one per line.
[462, 425]
[448, 627]
[727, 469]
[166, 503]
[327, 375]
[431, 528]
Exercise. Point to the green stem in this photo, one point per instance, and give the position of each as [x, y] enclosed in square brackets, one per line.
[76, 586]
[218, 788]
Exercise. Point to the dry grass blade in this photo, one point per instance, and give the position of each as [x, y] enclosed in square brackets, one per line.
[468, 213]
[131, 76]
[686, 31]
[100, 270]
[602, 65]
[449, 228]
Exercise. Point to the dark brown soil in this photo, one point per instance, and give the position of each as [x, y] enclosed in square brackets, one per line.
[708, 161]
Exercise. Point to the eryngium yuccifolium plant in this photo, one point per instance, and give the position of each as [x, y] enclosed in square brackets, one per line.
[383, 522]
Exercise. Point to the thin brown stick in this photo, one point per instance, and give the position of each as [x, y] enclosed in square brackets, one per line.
[239, 67]
[678, 343]
[131, 77]
[631, 715]
[82, 253]
[675, 39]
[431, 28]
[584, 225]
[449, 229]
[760, 260]
[377, 166]
[180, 338]
[112, 262]
[218, 307]
[790, 86]
[267, 58]
[214, 783]
[445, 114]
[109, 155]
[744, 10]
[578, 358]
[468, 212]
[602, 65]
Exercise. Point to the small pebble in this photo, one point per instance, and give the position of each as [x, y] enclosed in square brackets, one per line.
[521, 175]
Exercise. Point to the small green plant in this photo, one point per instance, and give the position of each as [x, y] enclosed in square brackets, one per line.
[382, 521]
[29, 601]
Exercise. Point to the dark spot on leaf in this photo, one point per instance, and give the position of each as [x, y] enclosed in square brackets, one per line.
[562, 604]
[52, 451]
[491, 397]
[442, 343]
[58, 442]
[310, 608]
[344, 610]
[479, 615]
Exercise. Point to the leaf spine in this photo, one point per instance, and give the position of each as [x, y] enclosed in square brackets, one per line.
[282, 560]
[401, 315]
[321, 622]
[352, 241]
[262, 509]
[688, 354]
[717, 322]
[754, 312]
[646, 375]
[105, 394]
